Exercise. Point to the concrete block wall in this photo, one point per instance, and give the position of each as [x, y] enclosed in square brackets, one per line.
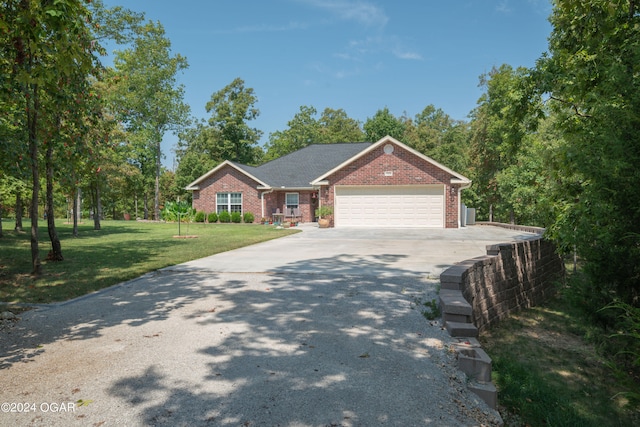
[477, 293]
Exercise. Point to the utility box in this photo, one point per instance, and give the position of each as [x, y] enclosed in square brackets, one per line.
[471, 216]
[463, 215]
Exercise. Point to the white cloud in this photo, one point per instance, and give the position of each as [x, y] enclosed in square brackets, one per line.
[407, 55]
[503, 6]
[359, 11]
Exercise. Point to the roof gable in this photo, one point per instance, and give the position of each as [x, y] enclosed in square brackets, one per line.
[247, 170]
[458, 179]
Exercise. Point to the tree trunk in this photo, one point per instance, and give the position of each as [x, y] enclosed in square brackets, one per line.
[97, 205]
[19, 208]
[1, 235]
[146, 205]
[56, 247]
[156, 197]
[74, 210]
[32, 125]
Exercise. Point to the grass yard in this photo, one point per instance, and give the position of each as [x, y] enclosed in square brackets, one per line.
[549, 372]
[121, 251]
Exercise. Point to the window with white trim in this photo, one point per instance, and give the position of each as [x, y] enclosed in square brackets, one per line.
[230, 202]
[292, 200]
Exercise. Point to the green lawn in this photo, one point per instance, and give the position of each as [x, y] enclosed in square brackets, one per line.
[121, 251]
[549, 372]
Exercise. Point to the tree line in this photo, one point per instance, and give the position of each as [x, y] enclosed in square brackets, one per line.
[555, 145]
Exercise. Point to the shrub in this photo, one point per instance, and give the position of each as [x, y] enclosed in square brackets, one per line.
[212, 218]
[200, 216]
[248, 217]
[224, 216]
[236, 217]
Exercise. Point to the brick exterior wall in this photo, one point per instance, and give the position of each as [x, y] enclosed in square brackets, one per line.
[407, 168]
[228, 180]
[277, 200]
[512, 276]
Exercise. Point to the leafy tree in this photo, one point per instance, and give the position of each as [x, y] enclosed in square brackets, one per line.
[231, 108]
[437, 135]
[528, 184]
[197, 153]
[499, 124]
[384, 123]
[337, 126]
[48, 45]
[305, 129]
[149, 100]
[592, 75]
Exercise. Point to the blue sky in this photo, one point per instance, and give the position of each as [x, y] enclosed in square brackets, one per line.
[358, 55]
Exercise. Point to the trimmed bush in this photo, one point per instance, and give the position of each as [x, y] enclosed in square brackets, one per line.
[248, 217]
[236, 217]
[224, 216]
[212, 218]
[200, 216]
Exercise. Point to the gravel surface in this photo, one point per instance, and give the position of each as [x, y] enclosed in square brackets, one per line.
[200, 348]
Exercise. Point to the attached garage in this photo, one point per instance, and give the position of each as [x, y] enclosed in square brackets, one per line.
[390, 206]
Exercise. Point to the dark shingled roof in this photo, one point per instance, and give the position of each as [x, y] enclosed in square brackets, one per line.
[298, 169]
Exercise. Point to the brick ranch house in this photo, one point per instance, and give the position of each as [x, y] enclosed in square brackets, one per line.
[385, 183]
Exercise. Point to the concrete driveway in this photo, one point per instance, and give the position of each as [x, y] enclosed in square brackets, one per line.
[322, 328]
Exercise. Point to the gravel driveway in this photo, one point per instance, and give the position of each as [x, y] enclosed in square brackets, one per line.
[322, 328]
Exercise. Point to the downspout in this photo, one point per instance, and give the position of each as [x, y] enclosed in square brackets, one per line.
[262, 201]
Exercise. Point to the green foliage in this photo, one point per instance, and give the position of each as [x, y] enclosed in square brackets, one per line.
[550, 368]
[147, 98]
[248, 217]
[174, 210]
[626, 343]
[592, 74]
[324, 211]
[505, 114]
[429, 309]
[537, 401]
[212, 218]
[384, 123]
[200, 216]
[224, 217]
[197, 153]
[231, 108]
[304, 129]
[236, 217]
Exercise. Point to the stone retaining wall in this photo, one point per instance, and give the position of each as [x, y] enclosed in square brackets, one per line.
[477, 293]
[512, 276]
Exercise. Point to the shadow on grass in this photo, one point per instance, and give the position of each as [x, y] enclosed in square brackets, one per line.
[97, 259]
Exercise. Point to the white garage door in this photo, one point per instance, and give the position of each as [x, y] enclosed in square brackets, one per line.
[389, 206]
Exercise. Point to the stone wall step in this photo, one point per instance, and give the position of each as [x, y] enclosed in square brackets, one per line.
[459, 329]
[453, 302]
[486, 392]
